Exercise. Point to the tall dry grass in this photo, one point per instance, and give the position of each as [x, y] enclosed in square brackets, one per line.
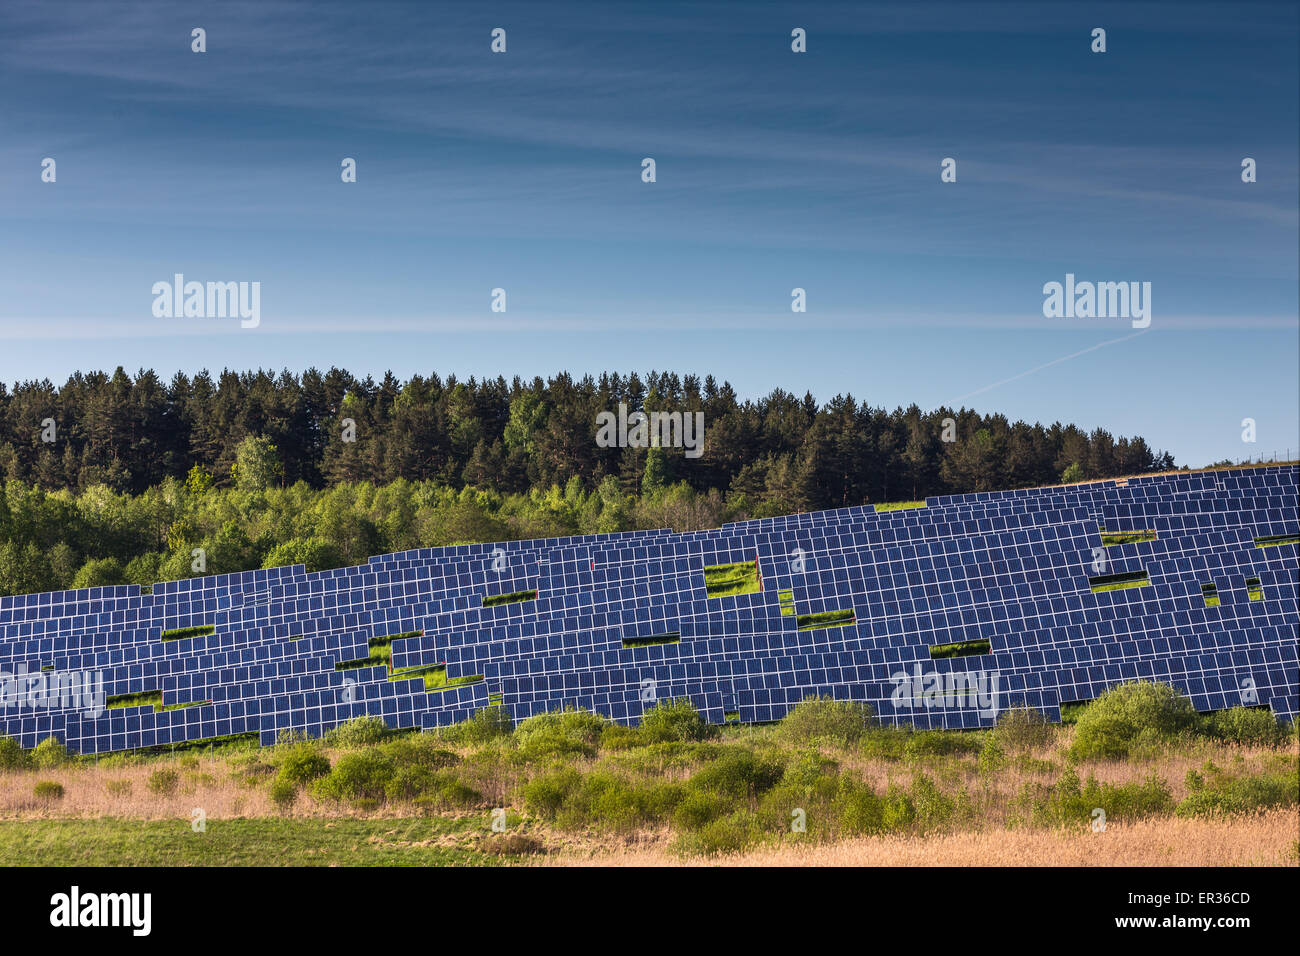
[1265, 839]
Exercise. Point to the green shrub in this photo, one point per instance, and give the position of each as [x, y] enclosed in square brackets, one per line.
[738, 773]
[621, 737]
[302, 763]
[48, 791]
[117, 788]
[730, 834]
[599, 800]
[807, 768]
[163, 782]
[859, 811]
[1111, 725]
[1217, 793]
[675, 720]
[1069, 803]
[50, 752]
[1022, 729]
[545, 795]
[934, 809]
[357, 732]
[283, 793]
[482, 727]
[448, 792]
[358, 775]
[560, 733]
[419, 750]
[825, 720]
[12, 755]
[898, 811]
[992, 757]
[430, 788]
[697, 809]
[907, 743]
[659, 758]
[1248, 726]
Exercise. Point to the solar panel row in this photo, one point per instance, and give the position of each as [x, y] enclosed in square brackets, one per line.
[939, 616]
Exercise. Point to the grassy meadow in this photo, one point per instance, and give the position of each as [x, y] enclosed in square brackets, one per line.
[1136, 778]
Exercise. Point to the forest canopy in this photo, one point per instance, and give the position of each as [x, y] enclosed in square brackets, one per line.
[113, 478]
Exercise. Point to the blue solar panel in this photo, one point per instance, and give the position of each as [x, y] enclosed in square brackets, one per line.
[621, 621]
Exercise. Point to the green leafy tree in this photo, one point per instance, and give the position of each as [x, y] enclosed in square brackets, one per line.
[257, 464]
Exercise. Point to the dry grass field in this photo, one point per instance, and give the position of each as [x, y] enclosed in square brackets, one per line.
[1261, 839]
[573, 790]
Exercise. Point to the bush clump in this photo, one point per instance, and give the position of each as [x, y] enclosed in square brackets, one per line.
[818, 719]
[50, 752]
[1248, 726]
[163, 782]
[599, 800]
[675, 720]
[483, 726]
[48, 791]
[737, 831]
[1069, 802]
[361, 775]
[1128, 716]
[300, 764]
[907, 743]
[1022, 729]
[357, 732]
[1212, 792]
[737, 774]
[561, 733]
[12, 755]
[283, 793]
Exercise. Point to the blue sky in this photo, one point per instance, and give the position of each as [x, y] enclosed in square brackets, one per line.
[775, 170]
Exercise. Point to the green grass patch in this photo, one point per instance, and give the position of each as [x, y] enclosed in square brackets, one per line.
[1118, 582]
[1254, 589]
[1276, 540]
[109, 841]
[381, 652]
[811, 622]
[148, 698]
[184, 633]
[434, 675]
[247, 741]
[1210, 592]
[672, 637]
[899, 505]
[448, 682]
[514, 597]
[724, 580]
[961, 649]
[1112, 538]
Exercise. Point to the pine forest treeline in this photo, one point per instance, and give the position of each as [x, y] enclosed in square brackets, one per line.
[131, 433]
[111, 479]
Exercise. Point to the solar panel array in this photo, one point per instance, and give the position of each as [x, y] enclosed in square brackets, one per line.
[618, 622]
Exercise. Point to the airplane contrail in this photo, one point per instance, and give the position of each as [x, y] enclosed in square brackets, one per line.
[1039, 368]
